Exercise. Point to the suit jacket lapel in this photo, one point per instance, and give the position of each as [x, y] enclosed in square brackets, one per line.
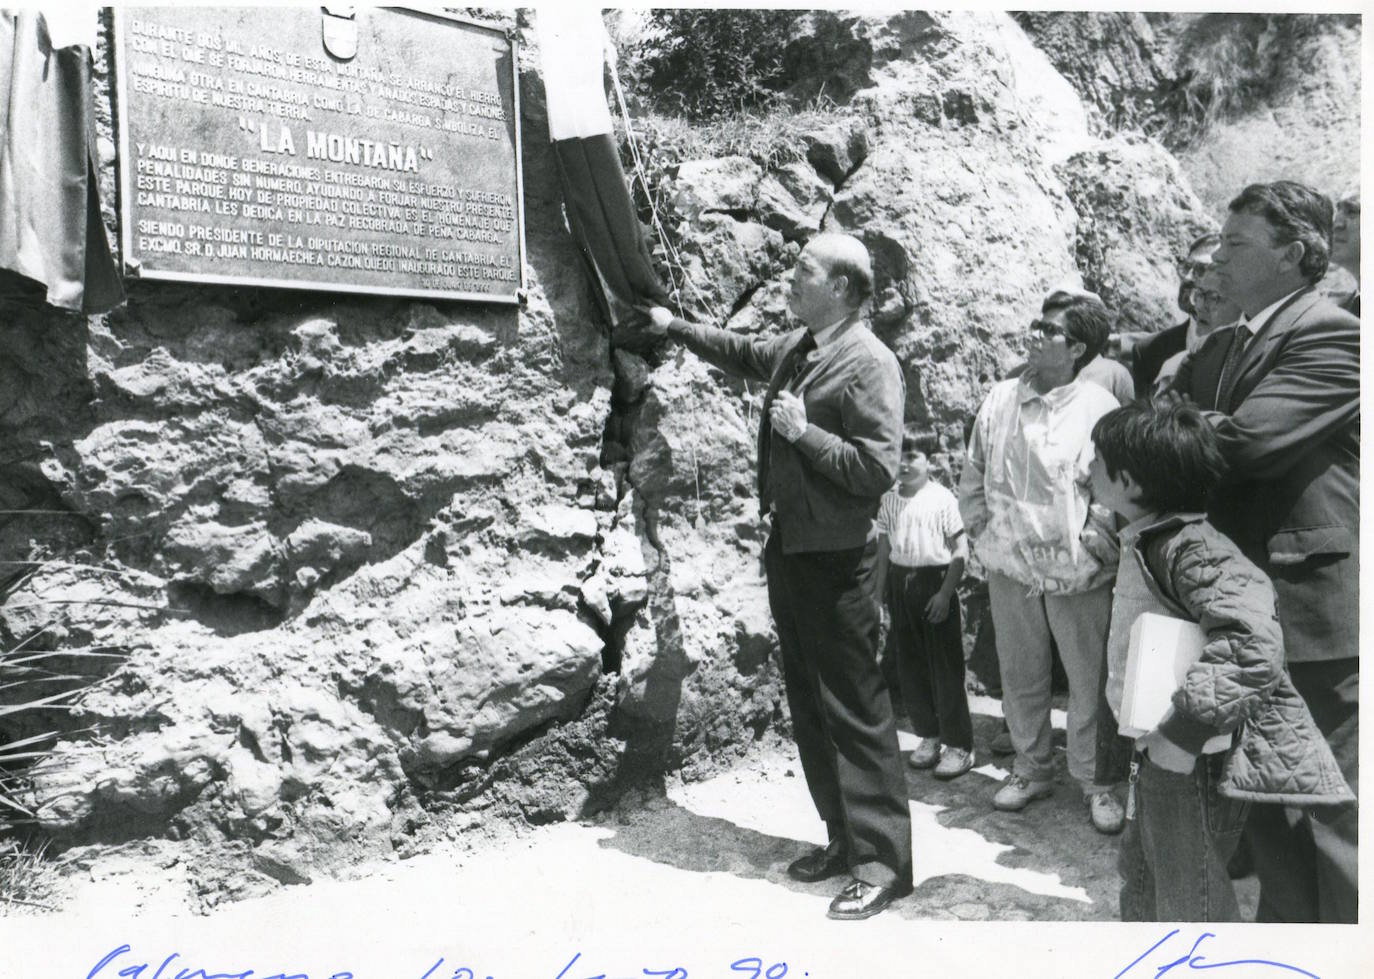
[1271, 332]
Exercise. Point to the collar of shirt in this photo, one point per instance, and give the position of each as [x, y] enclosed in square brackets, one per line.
[1025, 391]
[828, 334]
[1252, 326]
[1130, 533]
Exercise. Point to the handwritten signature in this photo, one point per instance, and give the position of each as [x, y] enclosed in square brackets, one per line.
[751, 967]
[1193, 960]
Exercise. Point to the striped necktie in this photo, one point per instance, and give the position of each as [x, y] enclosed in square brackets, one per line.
[783, 376]
[1240, 336]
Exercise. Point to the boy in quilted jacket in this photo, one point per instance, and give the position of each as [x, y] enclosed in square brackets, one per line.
[1155, 465]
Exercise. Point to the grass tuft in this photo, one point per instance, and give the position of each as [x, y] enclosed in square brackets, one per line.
[27, 878]
[1229, 64]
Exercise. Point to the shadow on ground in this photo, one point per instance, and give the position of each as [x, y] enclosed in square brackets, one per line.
[1045, 863]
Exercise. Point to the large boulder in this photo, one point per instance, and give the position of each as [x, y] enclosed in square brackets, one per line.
[1136, 212]
[1113, 59]
[336, 544]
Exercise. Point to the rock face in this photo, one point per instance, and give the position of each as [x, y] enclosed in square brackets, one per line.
[1309, 130]
[361, 560]
[344, 562]
[1134, 72]
[1113, 58]
[1135, 213]
[969, 168]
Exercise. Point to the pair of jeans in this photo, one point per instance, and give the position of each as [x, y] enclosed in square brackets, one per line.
[825, 607]
[1175, 848]
[1025, 622]
[930, 657]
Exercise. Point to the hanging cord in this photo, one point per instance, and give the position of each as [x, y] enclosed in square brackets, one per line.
[672, 258]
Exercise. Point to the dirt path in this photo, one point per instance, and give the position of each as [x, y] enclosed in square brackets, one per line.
[692, 879]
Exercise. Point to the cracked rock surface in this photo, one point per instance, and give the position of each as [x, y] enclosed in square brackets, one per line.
[360, 566]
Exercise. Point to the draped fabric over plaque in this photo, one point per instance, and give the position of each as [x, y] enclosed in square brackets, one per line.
[601, 215]
[51, 233]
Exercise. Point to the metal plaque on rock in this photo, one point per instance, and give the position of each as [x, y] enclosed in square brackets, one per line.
[353, 149]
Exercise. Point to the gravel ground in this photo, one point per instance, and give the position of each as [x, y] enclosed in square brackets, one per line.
[688, 883]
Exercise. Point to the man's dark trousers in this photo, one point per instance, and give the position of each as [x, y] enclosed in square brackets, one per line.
[1306, 858]
[826, 611]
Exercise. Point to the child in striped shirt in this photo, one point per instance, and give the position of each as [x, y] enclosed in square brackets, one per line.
[921, 555]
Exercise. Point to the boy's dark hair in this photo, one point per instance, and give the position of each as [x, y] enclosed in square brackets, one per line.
[1294, 212]
[1169, 449]
[926, 444]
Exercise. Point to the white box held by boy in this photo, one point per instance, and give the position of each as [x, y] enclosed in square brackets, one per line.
[1162, 649]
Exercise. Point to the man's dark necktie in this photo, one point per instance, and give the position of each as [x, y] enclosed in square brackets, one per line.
[786, 372]
[1231, 367]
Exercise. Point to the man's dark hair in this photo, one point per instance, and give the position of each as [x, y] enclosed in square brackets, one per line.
[858, 280]
[1169, 449]
[1294, 212]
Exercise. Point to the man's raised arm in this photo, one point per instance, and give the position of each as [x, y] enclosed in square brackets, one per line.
[752, 358]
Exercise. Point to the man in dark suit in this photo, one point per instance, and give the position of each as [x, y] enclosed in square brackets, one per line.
[1150, 354]
[830, 442]
[1282, 389]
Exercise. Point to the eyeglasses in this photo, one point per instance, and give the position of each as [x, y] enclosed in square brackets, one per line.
[1190, 268]
[1046, 329]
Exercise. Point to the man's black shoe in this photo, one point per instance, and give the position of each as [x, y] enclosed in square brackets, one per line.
[859, 900]
[821, 863]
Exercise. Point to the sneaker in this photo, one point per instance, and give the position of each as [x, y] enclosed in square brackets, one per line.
[927, 753]
[1017, 792]
[953, 763]
[1106, 813]
[1001, 745]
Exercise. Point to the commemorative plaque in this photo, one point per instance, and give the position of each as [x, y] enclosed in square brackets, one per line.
[353, 149]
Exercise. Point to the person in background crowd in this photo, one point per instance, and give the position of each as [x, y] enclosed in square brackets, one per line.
[1150, 354]
[1345, 245]
[1212, 310]
[1282, 391]
[921, 556]
[1048, 552]
[830, 441]
[1155, 466]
